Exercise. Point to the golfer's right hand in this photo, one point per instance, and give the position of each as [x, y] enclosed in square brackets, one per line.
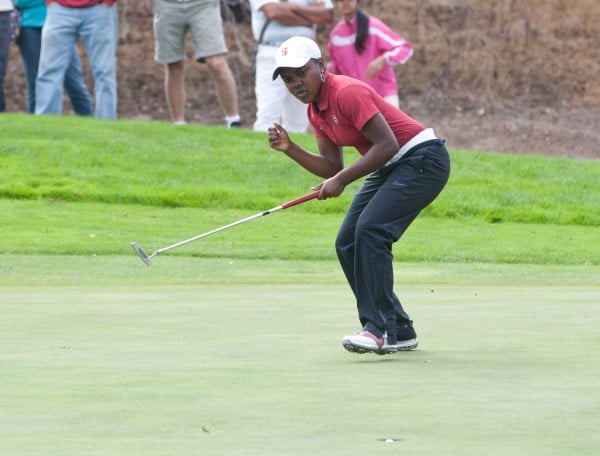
[278, 138]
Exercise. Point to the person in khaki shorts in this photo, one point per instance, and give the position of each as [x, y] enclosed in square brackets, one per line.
[173, 19]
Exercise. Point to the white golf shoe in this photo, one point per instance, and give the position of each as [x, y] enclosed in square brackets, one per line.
[367, 342]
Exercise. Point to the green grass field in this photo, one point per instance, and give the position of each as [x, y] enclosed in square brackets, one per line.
[149, 368]
[232, 345]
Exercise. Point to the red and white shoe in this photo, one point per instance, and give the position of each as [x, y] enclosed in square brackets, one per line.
[367, 342]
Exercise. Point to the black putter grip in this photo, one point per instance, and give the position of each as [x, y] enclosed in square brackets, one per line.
[301, 200]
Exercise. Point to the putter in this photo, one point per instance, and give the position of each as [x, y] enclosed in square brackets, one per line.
[148, 258]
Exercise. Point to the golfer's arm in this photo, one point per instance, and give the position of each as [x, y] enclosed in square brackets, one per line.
[384, 147]
[327, 164]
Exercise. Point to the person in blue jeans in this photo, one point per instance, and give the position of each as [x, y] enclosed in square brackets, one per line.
[33, 15]
[96, 21]
[6, 8]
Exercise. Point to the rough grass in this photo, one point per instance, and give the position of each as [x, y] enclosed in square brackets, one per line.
[149, 163]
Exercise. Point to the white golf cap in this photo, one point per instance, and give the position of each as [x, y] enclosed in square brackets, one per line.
[295, 52]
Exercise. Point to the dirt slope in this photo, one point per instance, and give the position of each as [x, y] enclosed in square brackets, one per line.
[509, 76]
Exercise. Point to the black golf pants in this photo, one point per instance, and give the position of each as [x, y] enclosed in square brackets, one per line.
[381, 211]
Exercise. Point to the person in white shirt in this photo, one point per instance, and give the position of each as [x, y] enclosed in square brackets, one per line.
[283, 20]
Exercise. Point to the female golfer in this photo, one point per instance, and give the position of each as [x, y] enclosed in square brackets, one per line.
[407, 167]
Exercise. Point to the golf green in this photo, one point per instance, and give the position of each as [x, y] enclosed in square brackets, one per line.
[258, 369]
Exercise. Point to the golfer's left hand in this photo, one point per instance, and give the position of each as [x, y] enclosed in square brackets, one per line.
[278, 138]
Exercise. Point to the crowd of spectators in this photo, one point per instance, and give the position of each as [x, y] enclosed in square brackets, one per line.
[359, 45]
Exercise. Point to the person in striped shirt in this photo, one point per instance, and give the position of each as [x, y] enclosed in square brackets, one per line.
[363, 47]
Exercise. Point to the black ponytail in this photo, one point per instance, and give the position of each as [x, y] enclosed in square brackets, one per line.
[362, 30]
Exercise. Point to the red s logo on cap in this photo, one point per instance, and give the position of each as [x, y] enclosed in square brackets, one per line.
[284, 51]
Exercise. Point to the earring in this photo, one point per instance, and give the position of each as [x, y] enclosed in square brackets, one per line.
[322, 75]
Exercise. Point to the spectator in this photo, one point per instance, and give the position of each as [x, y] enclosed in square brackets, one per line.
[363, 47]
[172, 20]
[96, 21]
[406, 167]
[33, 15]
[273, 22]
[239, 10]
[6, 8]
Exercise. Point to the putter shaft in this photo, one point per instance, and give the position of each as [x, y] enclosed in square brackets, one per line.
[148, 258]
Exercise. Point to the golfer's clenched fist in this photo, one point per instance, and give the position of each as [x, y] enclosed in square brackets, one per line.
[278, 138]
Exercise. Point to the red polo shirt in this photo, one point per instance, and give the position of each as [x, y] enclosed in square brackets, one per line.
[345, 107]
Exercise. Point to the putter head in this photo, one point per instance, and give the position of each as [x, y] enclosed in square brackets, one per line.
[140, 251]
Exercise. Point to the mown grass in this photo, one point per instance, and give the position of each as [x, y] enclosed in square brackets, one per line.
[236, 369]
[60, 228]
[231, 345]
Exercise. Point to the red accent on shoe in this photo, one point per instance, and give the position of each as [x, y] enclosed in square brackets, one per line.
[378, 340]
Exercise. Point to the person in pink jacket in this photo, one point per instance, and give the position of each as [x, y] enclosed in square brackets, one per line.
[363, 47]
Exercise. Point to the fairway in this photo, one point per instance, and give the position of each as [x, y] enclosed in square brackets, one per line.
[258, 369]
